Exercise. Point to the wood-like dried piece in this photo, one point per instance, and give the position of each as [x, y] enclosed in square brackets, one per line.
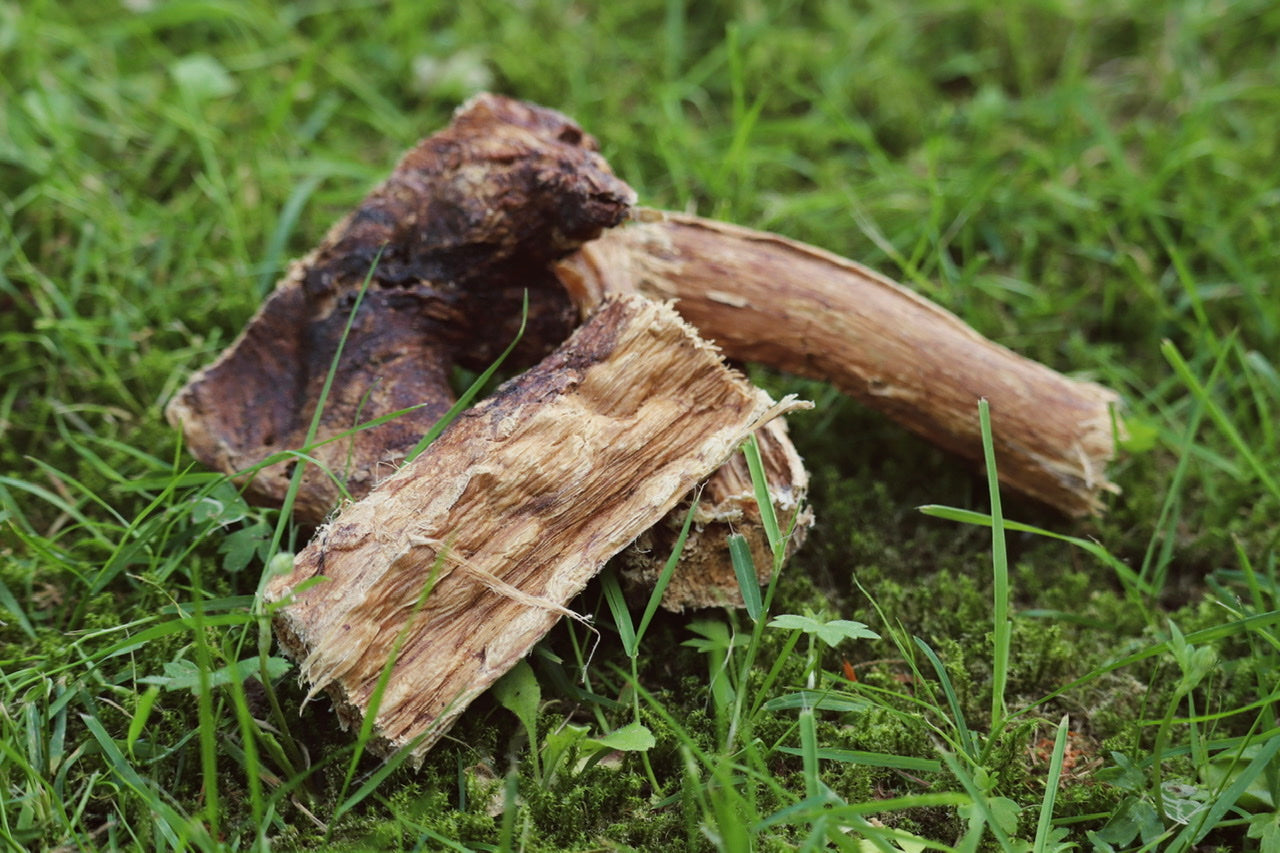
[465, 224]
[764, 298]
[457, 564]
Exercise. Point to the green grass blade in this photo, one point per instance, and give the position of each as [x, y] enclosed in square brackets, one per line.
[54, 500]
[775, 671]
[809, 752]
[1200, 637]
[819, 700]
[375, 779]
[138, 721]
[621, 613]
[208, 724]
[745, 569]
[967, 739]
[285, 223]
[668, 569]
[1045, 823]
[1001, 625]
[764, 501]
[295, 481]
[1220, 418]
[175, 626]
[808, 808]
[11, 606]
[1196, 831]
[510, 810]
[384, 678]
[472, 390]
[1153, 569]
[166, 816]
[875, 759]
[980, 802]
[1127, 576]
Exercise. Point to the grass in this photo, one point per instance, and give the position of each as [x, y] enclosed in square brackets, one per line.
[1094, 185]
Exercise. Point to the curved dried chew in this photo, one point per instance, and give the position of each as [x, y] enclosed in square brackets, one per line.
[765, 298]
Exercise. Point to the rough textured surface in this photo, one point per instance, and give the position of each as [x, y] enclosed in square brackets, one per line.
[704, 576]
[470, 218]
[467, 221]
[768, 299]
[508, 515]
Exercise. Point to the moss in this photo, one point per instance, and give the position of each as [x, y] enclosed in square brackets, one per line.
[695, 724]
[581, 809]
[411, 816]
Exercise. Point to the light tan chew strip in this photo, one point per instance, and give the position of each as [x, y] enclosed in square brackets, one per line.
[514, 508]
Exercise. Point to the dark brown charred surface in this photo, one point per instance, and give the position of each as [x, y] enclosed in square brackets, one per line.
[466, 224]
[507, 188]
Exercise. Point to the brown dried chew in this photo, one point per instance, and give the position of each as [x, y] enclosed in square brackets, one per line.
[508, 515]
[469, 219]
[764, 298]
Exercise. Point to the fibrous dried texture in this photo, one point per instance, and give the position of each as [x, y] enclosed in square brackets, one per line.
[704, 575]
[507, 515]
[768, 299]
[468, 221]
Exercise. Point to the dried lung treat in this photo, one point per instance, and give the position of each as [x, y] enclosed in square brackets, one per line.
[469, 220]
